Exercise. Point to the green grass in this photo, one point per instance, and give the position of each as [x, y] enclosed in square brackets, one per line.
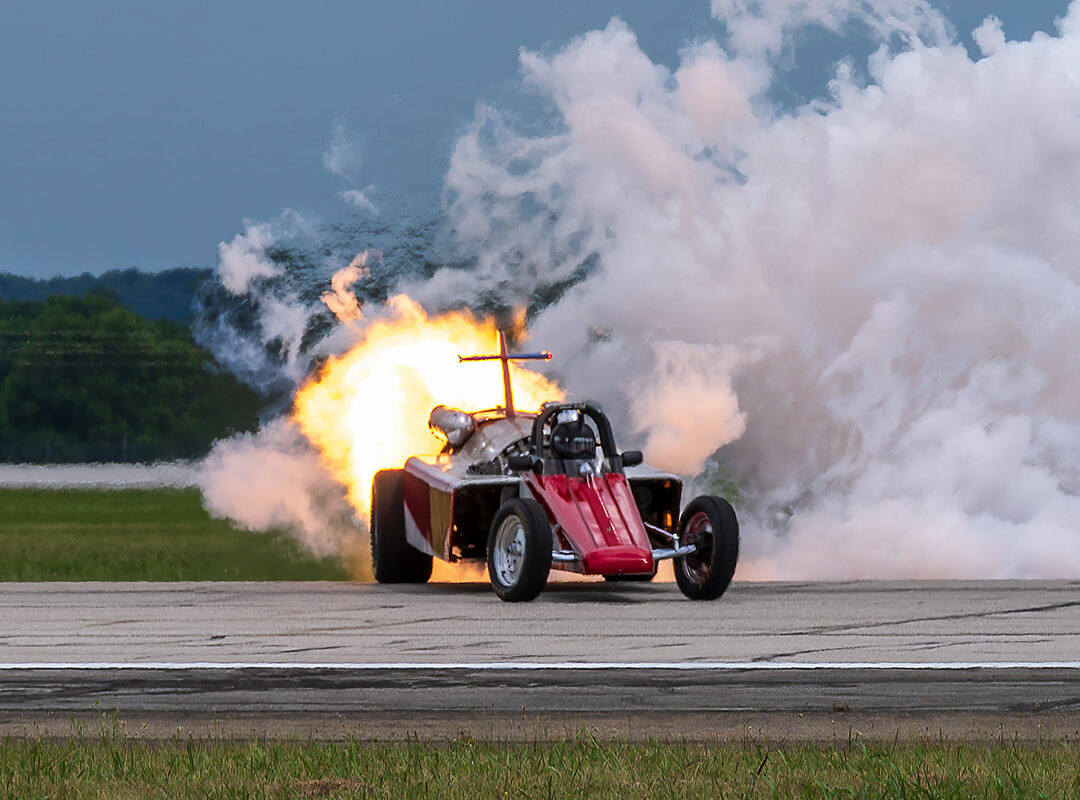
[115, 767]
[139, 535]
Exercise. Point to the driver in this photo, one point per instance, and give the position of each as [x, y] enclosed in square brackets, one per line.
[572, 437]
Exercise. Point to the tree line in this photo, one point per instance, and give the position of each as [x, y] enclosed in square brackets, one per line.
[156, 295]
[86, 379]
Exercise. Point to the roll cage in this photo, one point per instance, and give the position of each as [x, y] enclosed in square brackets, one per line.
[541, 458]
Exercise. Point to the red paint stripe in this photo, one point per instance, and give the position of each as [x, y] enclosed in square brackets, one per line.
[418, 501]
[587, 490]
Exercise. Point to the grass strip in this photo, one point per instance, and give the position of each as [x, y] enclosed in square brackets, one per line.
[140, 535]
[115, 766]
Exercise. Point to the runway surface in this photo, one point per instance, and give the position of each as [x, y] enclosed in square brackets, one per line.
[1006, 621]
[171, 474]
[811, 653]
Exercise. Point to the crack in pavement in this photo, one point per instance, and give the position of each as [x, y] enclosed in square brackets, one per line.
[944, 617]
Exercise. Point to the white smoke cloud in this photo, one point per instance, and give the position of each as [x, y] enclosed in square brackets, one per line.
[361, 198]
[990, 36]
[274, 480]
[690, 382]
[763, 27]
[867, 303]
[242, 259]
[282, 316]
[340, 299]
[877, 291]
[344, 156]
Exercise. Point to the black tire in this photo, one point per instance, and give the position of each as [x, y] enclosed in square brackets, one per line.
[393, 559]
[521, 573]
[710, 522]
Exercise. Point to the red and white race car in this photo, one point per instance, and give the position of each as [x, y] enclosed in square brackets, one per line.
[533, 492]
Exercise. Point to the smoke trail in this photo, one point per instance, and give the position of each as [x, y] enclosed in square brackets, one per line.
[764, 27]
[870, 299]
[256, 320]
[268, 323]
[273, 479]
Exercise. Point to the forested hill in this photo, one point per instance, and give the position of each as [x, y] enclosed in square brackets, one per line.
[85, 379]
[154, 295]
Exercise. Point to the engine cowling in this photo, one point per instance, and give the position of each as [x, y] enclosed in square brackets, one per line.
[452, 425]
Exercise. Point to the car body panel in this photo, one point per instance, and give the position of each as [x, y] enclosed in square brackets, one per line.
[598, 518]
[450, 499]
[493, 436]
[430, 487]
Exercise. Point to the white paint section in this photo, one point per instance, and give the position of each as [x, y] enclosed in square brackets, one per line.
[684, 666]
[413, 534]
[437, 475]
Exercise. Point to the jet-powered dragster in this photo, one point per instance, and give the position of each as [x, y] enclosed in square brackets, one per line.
[531, 492]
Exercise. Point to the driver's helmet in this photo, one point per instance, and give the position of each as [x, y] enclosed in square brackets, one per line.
[572, 437]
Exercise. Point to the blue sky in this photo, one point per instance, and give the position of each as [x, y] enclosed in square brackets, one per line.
[142, 134]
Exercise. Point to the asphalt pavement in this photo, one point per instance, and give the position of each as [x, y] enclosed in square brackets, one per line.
[448, 658]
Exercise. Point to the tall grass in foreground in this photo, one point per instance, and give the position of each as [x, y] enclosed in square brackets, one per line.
[116, 767]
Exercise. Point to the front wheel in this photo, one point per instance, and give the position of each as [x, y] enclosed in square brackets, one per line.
[519, 550]
[710, 523]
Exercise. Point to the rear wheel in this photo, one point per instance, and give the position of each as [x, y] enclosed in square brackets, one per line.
[393, 559]
[519, 550]
[710, 523]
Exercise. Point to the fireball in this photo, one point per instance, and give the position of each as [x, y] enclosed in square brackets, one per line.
[367, 409]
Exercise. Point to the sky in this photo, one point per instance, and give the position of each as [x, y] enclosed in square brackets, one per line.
[143, 134]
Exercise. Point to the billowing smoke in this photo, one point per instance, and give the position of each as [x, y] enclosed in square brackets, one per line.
[268, 323]
[870, 300]
[859, 313]
[273, 479]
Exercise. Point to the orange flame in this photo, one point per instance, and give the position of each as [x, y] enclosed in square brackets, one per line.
[367, 409]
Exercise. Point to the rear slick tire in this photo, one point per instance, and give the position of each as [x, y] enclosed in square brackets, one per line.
[710, 523]
[519, 550]
[393, 559]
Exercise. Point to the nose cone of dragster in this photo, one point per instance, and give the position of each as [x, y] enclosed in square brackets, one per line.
[619, 560]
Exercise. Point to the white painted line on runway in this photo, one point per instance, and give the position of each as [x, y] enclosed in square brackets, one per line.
[712, 666]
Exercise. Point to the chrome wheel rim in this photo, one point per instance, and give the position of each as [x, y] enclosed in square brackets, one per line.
[508, 557]
[699, 530]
